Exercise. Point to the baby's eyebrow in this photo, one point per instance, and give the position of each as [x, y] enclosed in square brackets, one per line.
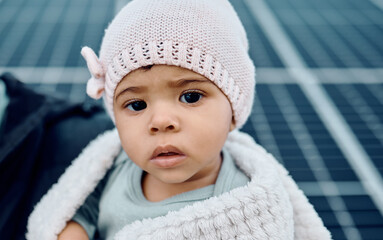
[185, 82]
[134, 89]
[174, 84]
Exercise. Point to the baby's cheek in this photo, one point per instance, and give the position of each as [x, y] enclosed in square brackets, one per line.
[130, 143]
[211, 138]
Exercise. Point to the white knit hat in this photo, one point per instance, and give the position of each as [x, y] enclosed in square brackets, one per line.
[205, 36]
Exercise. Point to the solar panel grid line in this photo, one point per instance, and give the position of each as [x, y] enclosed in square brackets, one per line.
[41, 35]
[67, 33]
[315, 161]
[37, 43]
[369, 105]
[332, 18]
[376, 91]
[44, 18]
[90, 30]
[343, 188]
[273, 76]
[370, 33]
[271, 28]
[260, 51]
[346, 140]
[348, 75]
[355, 41]
[309, 43]
[268, 75]
[28, 16]
[7, 12]
[367, 75]
[118, 4]
[314, 46]
[312, 41]
[335, 44]
[364, 111]
[50, 75]
[359, 44]
[77, 93]
[366, 126]
[351, 23]
[96, 25]
[343, 76]
[326, 109]
[299, 131]
[375, 16]
[33, 75]
[264, 132]
[378, 3]
[310, 16]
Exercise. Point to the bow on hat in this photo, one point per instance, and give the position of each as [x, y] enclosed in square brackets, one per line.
[96, 84]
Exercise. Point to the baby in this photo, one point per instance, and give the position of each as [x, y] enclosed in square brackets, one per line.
[177, 81]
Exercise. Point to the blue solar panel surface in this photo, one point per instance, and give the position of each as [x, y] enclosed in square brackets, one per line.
[339, 44]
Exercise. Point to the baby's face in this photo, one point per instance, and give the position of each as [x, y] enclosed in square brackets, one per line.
[172, 122]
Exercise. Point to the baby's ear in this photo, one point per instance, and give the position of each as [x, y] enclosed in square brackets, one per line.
[232, 124]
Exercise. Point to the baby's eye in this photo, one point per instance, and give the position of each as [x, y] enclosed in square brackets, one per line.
[136, 106]
[191, 97]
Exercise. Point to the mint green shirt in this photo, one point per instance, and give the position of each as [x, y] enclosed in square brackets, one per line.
[118, 200]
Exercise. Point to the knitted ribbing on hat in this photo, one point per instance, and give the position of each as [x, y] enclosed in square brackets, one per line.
[205, 36]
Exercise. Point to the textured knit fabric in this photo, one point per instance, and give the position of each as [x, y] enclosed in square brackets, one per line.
[205, 36]
[123, 202]
[270, 206]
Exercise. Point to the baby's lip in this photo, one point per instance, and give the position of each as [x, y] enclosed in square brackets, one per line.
[166, 150]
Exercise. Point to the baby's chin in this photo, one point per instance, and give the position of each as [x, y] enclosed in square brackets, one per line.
[173, 178]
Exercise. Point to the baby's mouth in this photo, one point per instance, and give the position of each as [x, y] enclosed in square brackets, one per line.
[167, 156]
[167, 150]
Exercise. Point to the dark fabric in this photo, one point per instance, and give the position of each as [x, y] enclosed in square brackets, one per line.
[40, 135]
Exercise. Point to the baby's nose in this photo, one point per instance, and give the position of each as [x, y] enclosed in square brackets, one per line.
[164, 122]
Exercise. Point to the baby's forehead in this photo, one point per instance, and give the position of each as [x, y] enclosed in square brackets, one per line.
[165, 69]
[168, 73]
[164, 77]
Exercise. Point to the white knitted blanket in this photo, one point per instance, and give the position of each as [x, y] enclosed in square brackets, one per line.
[270, 207]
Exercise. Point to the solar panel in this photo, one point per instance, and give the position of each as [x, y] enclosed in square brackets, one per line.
[337, 44]
[314, 160]
[363, 114]
[333, 33]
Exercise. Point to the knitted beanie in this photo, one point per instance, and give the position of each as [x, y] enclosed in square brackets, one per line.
[205, 36]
